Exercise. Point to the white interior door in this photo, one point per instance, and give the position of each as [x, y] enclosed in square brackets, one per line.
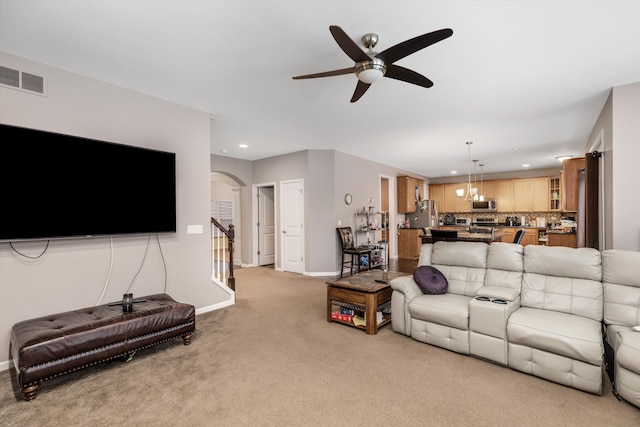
[292, 226]
[266, 226]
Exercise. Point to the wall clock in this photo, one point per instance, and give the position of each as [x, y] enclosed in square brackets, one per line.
[348, 199]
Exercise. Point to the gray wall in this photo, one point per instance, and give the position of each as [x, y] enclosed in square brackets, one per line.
[327, 176]
[619, 126]
[73, 272]
[320, 211]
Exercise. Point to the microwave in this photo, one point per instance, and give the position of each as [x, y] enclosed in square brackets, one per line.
[488, 205]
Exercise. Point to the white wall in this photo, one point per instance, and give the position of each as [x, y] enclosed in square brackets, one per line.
[72, 273]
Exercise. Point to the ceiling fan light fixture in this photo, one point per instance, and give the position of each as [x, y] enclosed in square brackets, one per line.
[370, 71]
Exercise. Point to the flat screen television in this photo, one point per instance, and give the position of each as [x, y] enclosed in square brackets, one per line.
[61, 186]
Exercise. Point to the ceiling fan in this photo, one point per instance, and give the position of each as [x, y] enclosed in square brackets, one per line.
[372, 66]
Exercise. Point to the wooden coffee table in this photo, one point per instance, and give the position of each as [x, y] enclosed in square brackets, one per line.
[361, 292]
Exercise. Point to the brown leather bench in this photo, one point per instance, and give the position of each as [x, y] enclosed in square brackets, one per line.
[53, 345]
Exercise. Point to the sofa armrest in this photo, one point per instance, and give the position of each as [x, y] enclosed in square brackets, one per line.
[405, 290]
[407, 286]
[499, 292]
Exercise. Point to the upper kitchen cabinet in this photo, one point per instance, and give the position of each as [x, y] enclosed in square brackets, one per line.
[436, 193]
[530, 195]
[504, 195]
[489, 189]
[453, 203]
[554, 193]
[570, 171]
[539, 194]
[521, 195]
[410, 190]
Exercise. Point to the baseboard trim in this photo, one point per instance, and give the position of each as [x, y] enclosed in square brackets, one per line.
[5, 366]
[321, 274]
[215, 307]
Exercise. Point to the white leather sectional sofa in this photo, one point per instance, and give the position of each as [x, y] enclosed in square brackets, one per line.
[621, 280]
[536, 309]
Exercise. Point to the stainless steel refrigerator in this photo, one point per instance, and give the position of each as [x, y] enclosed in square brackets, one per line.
[425, 216]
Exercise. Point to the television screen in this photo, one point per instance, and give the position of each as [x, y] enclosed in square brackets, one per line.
[56, 186]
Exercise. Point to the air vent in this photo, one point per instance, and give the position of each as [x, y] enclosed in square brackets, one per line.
[9, 77]
[32, 82]
[20, 80]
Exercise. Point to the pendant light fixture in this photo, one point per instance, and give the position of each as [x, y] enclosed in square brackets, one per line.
[474, 189]
[481, 197]
[470, 191]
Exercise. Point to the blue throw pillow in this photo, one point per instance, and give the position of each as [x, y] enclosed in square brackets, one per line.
[430, 280]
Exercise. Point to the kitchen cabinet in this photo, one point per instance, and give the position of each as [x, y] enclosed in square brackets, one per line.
[511, 195]
[570, 171]
[489, 189]
[562, 239]
[453, 203]
[409, 243]
[436, 193]
[530, 195]
[530, 236]
[504, 197]
[450, 204]
[539, 195]
[508, 234]
[554, 193]
[521, 195]
[410, 190]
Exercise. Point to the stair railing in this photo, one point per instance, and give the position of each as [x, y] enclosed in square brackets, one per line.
[222, 246]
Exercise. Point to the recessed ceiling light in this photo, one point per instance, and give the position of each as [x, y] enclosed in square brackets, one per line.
[224, 151]
[454, 172]
[563, 158]
[526, 165]
[243, 145]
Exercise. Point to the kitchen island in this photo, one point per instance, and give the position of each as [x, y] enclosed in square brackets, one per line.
[465, 236]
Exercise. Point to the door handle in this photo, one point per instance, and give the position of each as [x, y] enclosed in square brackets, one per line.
[284, 231]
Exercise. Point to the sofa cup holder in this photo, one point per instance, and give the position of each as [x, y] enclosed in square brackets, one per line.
[493, 300]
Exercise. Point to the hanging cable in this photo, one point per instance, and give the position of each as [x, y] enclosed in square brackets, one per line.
[141, 264]
[164, 264]
[106, 283]
[27, 256]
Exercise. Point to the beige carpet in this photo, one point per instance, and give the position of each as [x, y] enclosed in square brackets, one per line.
[273, 359]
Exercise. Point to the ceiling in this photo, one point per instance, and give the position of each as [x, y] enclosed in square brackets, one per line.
[524, 80]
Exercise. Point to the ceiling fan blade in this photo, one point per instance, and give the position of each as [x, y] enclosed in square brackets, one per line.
[361, 88]
[406, 75]
[347, 45]
[406, 48]
[349, 70]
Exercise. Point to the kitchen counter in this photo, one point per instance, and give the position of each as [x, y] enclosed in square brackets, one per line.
[519, 226]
